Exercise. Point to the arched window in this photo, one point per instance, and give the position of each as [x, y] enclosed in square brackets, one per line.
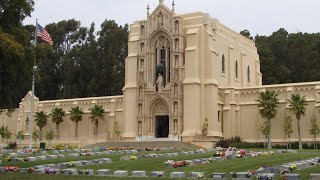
[140, 91]
[175, 89]
[141, 64]
[160, 19]
[237, 72]
[140, 109]
[162, 54]
[142, 47]
[176, 43]
[142, 30]
[248, 74]
[223, 64]
[177, 26]
[175, 107]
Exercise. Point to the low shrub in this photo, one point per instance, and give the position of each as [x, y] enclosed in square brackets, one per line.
[12, 145]
[63, 146]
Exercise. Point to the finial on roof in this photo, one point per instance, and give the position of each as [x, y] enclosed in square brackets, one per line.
[161, 2]
[148, 10]
[173, 4]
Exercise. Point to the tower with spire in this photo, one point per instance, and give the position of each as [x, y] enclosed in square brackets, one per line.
[173, 85]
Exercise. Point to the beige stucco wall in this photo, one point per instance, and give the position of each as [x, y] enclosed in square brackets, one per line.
[112, 105]
[9, 118]
[245, 120]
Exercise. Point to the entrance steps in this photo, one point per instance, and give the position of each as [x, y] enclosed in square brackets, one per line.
[148, 139]
[151, 144]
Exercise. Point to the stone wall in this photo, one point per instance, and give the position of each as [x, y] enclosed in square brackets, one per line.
[8, 117]
[241, 115]
[113, 106]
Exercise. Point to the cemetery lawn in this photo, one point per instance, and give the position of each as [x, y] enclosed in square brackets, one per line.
[305, 173]
[114, 157]
[227, 166]
[156, 164]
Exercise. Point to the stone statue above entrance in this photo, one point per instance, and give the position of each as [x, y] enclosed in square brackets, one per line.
[159, 83]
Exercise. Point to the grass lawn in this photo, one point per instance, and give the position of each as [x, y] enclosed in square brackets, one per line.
[306, 172]
[152, 164]
[230, 165]
[114, 157]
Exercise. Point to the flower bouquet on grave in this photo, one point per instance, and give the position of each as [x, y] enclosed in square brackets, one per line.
[71, 164]
[233, 174]
[8, 159]
[152, 155]
[250, 173]
[133, 157]
[200, 176]
[168, 162]
[241, 153]
[292, 167]
[283, 174]
[180, 164]
[84, 171]
[11, 168]
[31, 170]
[147, 148]
[271, 153]
[48, 170]
[211, 159]
[219, 153]
[160, 174]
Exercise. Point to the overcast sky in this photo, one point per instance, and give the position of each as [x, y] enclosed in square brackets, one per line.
[258, 16]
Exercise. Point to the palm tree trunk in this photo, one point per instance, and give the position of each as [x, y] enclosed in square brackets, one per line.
[289, 143]
[40, 134]
[269, 136]
[315, 142]
[76, 131]
[57, 126]
[299, 134]
[97, 124]
[269, 142]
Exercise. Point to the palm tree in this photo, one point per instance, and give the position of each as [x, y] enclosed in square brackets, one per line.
[96, 113]
[76, 116]
[57, 115]
[268, 109]
[41, 119]
[297, 105]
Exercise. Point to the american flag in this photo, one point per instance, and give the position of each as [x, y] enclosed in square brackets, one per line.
[43, 34]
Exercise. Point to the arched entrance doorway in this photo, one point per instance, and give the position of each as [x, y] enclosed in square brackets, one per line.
[162, 127]
[160, 118]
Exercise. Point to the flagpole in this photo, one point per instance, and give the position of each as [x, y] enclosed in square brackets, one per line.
[33, 81]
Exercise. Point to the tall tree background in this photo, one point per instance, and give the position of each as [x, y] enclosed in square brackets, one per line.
[15, 52]
[289, 57]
